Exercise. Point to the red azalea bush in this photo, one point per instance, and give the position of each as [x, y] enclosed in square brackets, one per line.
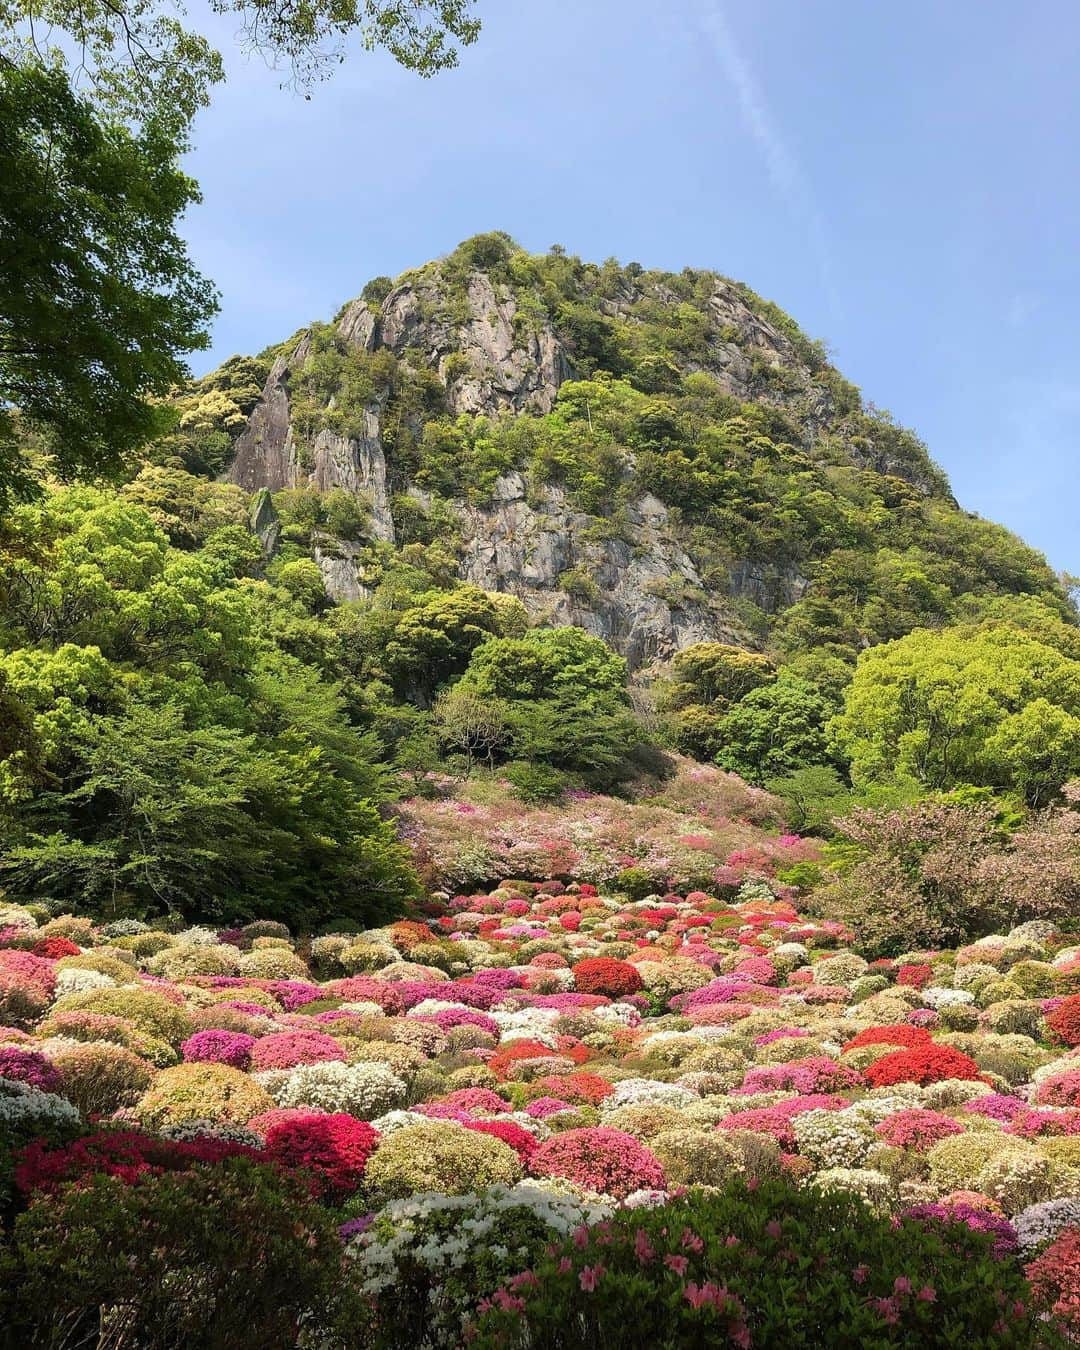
[53, 948]
[1055, 1279]
[600, 1159]
[334, 1148]
[582, 1089]
[510, 1132]
[904, 1035]
[914, 976]
[604, 975]
[1064, 1021]
[922, 1065]
[125, 1154]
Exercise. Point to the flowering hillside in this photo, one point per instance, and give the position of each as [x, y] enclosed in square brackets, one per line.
[456, 1095]
[703, 827]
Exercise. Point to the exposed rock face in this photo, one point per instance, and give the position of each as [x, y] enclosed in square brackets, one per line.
[646, 599]
[635, 585]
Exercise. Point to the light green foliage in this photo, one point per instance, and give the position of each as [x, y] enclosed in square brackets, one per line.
[171, 751]
[566, 696]
[995, 704]
[774, 730]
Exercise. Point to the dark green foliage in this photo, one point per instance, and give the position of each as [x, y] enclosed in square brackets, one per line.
[99, 301]
[780, 1267]
[224, 1255]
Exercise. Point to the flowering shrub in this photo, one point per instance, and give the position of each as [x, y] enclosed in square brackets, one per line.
[30, 1067]
[1064, 1020]
[602, 975]
[336, 1148]
[423, 1265]
[601, 1159]
[923, 1064]
[917, 1129]
[201, 1092]
[1055, 1279]
[361, 1090]
[716, 1271]
[101, 1078]
[219, 1047]
[126, 1155]
[439, 1156]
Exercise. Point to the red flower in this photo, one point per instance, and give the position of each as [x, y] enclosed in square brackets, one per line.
[604, 975]
[924, 1064]
[335, 1148]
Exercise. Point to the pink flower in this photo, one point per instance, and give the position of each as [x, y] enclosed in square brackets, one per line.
[927, 1294]
[773, 1228]
[860, 1273]
[902, 1285]
[692, 1242]
[676, 1263]
[643, 1248]
[590, 1277]
[565, 1266]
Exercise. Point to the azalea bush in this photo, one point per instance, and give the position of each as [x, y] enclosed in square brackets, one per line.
[764, 1264]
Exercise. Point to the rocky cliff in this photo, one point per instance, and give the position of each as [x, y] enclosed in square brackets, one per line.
[705, 421]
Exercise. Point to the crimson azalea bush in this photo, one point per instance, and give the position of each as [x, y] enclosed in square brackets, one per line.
[922, 1064]
[603, 975]
[764, 1265]
[334, 1148]
[1064, 1020]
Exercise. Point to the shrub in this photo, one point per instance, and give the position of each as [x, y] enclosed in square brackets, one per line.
[439, 1156]
[1064, 1020]
[599, 1159]
[30, 1067]
[335, 1148]
[770, 1267]
[424, 1264]
[202, 1092]
[101, 1078]
[131, 1248]
[602, 975]
[288, 1049]
[922, 1064]
[361, 1090]
[1055, 1279]
[144, 1009]
[124, 1154]
[219, 1047]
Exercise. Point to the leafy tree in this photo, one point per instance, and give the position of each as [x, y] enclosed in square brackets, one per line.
[98, 298]
[433, 641]
[567, 697]
[711, 672]
[815, 795]
[472, 725]
[774, 730]
[167, 750]
[992, 704]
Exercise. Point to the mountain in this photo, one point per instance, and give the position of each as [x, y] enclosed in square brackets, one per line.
[658, 458]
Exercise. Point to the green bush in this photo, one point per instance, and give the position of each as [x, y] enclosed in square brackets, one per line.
[771, 1266]
[220, 1257]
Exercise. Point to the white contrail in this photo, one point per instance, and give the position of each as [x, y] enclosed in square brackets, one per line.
[783, 169]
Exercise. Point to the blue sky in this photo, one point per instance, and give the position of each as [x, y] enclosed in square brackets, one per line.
[900, 178]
